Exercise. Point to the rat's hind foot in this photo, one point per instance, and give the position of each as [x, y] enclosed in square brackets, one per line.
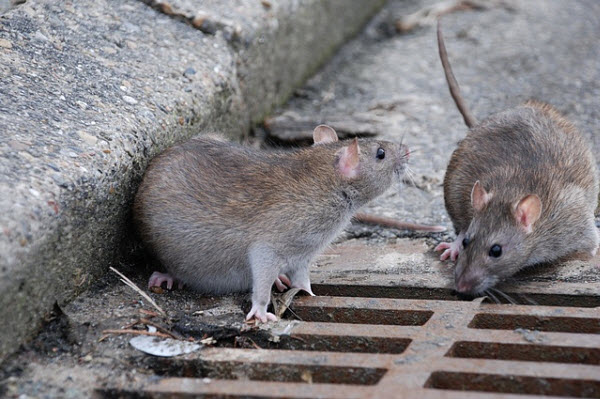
[157, 278]
[282, 282]
[260, 313]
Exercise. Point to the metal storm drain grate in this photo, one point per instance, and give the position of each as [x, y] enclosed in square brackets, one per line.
[350, 345]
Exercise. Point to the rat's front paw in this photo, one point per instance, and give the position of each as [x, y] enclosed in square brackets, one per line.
[451, 250]
[260, 313]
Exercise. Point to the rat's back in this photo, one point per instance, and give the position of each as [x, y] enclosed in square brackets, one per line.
[203, 203]
[527, 149]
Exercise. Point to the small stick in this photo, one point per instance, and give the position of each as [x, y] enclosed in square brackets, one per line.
[149, 313]
[163, 329]
[130, 284]
[136, 332]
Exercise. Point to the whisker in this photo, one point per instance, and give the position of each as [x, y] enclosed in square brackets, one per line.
[508, 298]
[529, 300]
[489, 293]
[409, 174]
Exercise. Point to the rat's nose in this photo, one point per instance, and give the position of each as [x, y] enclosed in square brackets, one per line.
[405, 151]
[463, 286]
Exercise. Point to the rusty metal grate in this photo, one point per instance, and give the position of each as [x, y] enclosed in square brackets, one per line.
[356, 346]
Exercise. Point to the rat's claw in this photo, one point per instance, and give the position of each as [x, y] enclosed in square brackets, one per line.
[260, 313]
[157, 278]
[441, 246]
[445, 255]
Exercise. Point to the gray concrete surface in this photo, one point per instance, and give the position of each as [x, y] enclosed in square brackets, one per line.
[511, 52]
[91, 90]
[394, 86]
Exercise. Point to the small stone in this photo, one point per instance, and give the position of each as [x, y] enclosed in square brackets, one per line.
[5, 43]
[18, 145]
[87, 138]
[189, 72]
[27, 156]
[157, 290]
[129, 100]
[40, 36]
[82, 105]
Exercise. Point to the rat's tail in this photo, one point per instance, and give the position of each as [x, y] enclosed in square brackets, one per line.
[470, 121]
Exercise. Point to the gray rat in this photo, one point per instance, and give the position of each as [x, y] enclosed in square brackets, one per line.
[224, 218]
[521, 189]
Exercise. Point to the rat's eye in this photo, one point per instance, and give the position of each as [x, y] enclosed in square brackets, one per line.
[496, 251]
[466, 242]
[380, 153]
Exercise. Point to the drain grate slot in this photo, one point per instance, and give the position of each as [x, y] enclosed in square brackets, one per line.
[370, 291]
[254, 371]
[442, 294]
[333, 343]
[363, 316]
[525, 352]
[293, 373]
[514, 384]
[550, 324]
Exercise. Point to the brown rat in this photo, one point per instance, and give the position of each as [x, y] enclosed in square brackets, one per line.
[521, 189]
[224, 218]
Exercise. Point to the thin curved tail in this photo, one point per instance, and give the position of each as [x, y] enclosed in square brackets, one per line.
[470, 121]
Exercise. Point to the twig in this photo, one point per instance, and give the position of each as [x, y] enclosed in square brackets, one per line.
[149, 313]
[136, 332]
[130, 284]
[163, 329]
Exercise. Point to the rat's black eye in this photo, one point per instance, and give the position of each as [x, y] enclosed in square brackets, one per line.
[380, 153]
[466, 242]
[496, 251]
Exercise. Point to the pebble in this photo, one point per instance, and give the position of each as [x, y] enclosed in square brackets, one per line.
[129, 100]
[189, 72]
[40, 36]
[87, 138]
[5, 43]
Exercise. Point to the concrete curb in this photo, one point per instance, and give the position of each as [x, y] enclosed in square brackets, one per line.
[91, 90]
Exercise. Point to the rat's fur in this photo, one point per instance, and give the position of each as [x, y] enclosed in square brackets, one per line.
[530, 151]
[224, 218]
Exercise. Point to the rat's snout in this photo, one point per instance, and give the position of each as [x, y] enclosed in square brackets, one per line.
[468, 281]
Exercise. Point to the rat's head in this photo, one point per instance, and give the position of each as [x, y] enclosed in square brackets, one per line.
[366, 168]
[497, 243]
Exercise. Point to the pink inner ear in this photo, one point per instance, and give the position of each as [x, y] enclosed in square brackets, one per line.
[349, 160]
[528, 211]
[479, 197]
[324, 134]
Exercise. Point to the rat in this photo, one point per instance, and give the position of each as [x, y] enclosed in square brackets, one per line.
[223, 218]
[521, 189]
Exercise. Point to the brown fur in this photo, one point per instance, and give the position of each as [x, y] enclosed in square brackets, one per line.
[224, 218]
[527, 150]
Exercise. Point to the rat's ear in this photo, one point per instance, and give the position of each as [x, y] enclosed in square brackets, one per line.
[528, 211]
[324, 134]
[479, 197]
[348, 160]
